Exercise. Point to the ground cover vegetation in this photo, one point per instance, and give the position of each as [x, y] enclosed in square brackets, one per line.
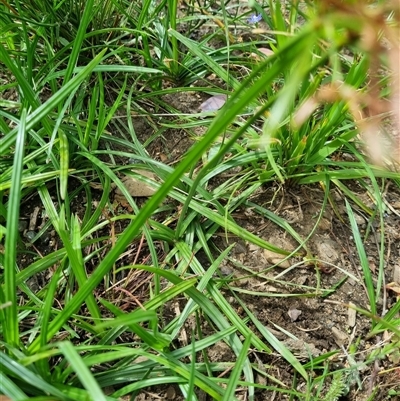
[217, 115]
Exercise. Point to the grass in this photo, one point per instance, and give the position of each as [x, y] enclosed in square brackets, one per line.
[80, 74]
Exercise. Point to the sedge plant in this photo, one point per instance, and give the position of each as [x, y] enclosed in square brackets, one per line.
[284, 120]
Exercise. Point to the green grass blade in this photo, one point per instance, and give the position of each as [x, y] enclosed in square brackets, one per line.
[46, 108]
[131, 318]
[368, 279]
[23, 83]
[10, 389]
[235, 375]
[26, 375]
[213, 65]
[206, 276]
[45, 317]
[64, 163]
[11, 330]
[80, 35]
[73, 246]
[84, 374]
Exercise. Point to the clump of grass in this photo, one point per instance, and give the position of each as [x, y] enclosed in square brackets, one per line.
[73, 67]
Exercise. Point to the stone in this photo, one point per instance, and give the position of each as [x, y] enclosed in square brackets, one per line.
[276, 259]
[326, 249]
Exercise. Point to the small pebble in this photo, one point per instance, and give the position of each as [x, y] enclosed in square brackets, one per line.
[30, 235]
[294, 314]
[351, 316]
[340, 337]
[396, 274]
[226, 270]
[359, 219]
[276, 259]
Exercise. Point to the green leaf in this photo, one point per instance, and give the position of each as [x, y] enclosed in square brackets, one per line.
[84, 374]
[11, 328]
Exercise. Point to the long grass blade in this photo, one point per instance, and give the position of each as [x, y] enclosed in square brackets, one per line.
[11, 330]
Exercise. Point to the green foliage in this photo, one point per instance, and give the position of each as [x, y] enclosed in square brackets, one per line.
[73, 69]
[336, 388]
